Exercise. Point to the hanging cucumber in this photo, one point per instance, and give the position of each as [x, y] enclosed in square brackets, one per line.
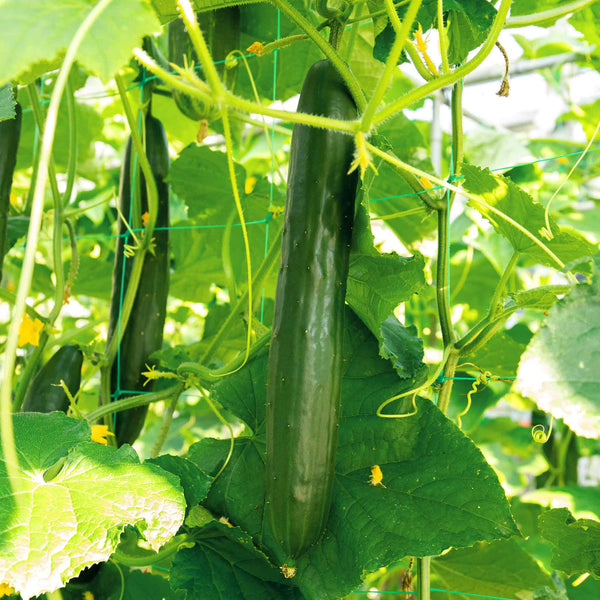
[144, 332]
[305, 360]
[10, 132]
[221, 30]
[45, 392]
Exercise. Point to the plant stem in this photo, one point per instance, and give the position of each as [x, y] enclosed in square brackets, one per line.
[37, 209]
[442, 288]
[335, 59]
[448, 374]
[168, 550]
[563, 450]
[499, 291]
[452, 77]
[423, 577]
[134, 401]
[402, 31]
[72, 160]
[442, 37]
[546, 15]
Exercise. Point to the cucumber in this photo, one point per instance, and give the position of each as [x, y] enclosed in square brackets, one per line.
[144, 332]
[221, 30]
[45, 394]
[10, 132]
[305, 358]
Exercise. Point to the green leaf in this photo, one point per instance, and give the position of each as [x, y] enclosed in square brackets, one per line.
[504, 195]
[194, 482]
[103, 51]
[225, 563]
[500, 355]
[541, 298]
[469, 24]
[559, 369]
[404, 348]
[56, 528]
[7, 102]
[378, 283]
[583, 502]
[433, 475]
[576, 542]
[200, 177]
[500, 568]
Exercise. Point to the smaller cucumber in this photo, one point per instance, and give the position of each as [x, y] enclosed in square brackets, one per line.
[45, 394]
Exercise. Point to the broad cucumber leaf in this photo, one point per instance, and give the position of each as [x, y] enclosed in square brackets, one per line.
[583, 502]
[7, 102]
[53, 529]
[559, 369]
[576, 542]
[504, 195]
[434, 475]
[118, 29]
[225, 563]
[500, 568]
[542, 298]
[377, 284]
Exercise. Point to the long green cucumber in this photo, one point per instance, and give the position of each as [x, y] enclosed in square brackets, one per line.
[45, 392]
[305, 368]
[144, 332]
[221, 30]
[10, 132]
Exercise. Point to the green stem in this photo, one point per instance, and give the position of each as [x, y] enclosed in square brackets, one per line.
[546, 15]
[264, 269]
[448, 374]
[452, 77]
[423, 577]
[391, 64]
[351, 38]
[134, 401]
[37, 209]
[219, 416]
[456, 106]
[499, 291]
[165, 426]
[485, 334]
[195, 89]
[335, 59]
[168, 550]
[442, 286]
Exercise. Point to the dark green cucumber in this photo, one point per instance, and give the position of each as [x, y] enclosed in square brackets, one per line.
[221, 30]
[10, 132]
[144, 332]
[45, 392]
[305, 359]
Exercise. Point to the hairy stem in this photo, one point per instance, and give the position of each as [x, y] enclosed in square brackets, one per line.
[165, 426]
[499, 291]
[552, 13]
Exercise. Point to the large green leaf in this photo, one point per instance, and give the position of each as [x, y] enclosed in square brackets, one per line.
[576, 542]
[504, 195]
[559, 369]
[25, 39]
[434, 476]
[225, 563]
[53, 529]
[500, 568]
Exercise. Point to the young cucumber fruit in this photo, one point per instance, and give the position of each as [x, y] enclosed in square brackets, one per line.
[45, 393]
[144, 332]
[221, 30]
[305, 359]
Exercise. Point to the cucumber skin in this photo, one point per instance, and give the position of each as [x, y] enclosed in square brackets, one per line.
[10, 133]
[221, 30]
[305, 359]
[144, 332]
[45, 394]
